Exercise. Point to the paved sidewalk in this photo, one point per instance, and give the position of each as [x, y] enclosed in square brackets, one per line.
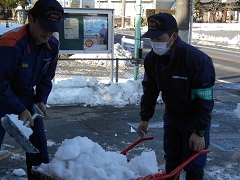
[109, 127]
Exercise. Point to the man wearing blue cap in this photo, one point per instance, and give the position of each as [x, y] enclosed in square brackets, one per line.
[185, 76]
[29, 56]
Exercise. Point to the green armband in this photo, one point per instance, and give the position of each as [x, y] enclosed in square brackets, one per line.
[205, 93]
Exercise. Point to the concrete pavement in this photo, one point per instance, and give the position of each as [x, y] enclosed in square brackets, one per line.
[109, 127]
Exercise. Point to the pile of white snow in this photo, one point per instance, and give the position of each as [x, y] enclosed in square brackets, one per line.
[82, 159]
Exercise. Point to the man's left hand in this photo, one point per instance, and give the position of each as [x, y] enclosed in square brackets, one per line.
[43, 108]
[196, 142]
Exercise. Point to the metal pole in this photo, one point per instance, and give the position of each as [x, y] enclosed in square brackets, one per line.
[111, 40]
[123, 14]
[80, 4]
[112, 71]
[154, 4]
[137, 44]
[116, 70]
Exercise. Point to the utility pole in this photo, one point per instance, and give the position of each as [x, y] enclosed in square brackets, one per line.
[191, 22]
[137, 45]
[182, 15]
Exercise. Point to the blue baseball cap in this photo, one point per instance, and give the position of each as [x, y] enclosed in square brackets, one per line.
[49, 14]
[158, 24]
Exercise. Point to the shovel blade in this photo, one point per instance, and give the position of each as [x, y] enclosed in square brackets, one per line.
[19, 137]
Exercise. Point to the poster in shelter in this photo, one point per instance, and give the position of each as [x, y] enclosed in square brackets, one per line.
[95, 32]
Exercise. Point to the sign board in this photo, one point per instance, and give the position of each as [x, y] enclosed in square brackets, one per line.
[75, 4]
[86, 30]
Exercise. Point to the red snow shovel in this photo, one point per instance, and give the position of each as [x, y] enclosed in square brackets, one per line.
[19, 137]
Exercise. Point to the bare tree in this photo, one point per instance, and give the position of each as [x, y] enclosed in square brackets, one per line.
[198, 15]
[230, 7]
[213, 9]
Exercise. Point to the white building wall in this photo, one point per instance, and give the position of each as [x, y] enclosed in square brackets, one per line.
[164, 4]
[117, 10]
[88, 3]
[130, 7]
[81, 3]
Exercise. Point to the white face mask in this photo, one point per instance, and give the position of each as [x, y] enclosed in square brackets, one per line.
[160, 48]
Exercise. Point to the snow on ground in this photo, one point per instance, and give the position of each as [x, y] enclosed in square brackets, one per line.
[223, 42]
[79, 90]
[18, 123]
[82, 159]
[4, 29]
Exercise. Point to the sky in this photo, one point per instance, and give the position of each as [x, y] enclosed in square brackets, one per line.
[85, 152]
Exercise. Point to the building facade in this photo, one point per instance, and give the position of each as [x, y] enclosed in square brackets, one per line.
[122, 8]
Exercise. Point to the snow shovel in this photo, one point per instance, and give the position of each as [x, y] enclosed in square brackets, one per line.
[19, 137]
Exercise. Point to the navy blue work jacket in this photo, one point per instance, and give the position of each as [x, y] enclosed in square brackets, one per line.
[189, 68]
[26, 70]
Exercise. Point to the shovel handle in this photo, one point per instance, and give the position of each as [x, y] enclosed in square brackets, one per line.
[36, 112]
[136, 143]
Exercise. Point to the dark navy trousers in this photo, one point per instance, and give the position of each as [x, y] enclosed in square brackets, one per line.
[177, 132]
[38, 139]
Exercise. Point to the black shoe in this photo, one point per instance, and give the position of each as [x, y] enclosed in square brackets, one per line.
[194, 176]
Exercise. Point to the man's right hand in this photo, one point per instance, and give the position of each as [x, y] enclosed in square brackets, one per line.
[26, 115]
[142, 128]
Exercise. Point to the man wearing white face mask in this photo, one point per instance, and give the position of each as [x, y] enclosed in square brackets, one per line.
[185, 76]
[160, 48]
